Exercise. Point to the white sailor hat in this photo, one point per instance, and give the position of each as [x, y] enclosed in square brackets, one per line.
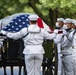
[68, 20]
[33, 17]
[60, 19]
[74, 21]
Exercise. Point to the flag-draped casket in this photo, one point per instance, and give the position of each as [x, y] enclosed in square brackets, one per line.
[15, 23]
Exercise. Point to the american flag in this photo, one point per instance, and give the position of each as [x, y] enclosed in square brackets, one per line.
[21, 21]
[17, 23]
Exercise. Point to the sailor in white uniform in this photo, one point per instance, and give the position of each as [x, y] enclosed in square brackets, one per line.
[33, 51]
[66, 46]
[59, 25]
[74, 45]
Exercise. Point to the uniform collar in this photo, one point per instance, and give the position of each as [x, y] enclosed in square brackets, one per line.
[33, 28]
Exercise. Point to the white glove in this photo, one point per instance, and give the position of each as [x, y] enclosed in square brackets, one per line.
[65, 32]
[3, 32]
[56, 31]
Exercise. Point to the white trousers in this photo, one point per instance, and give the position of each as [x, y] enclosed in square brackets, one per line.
[33, 63]
[74, 61]
[74, 66]
[67, 62]
[59, 63]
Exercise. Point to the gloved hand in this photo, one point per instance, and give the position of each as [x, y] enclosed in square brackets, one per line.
[4, 32]
[56, 31]
[65, 32]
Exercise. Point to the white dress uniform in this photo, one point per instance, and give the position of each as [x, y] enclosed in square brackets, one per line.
[59, 56]
[59, 59]
[58, 42]
[67, 58]
[60, 66]
[33, 51]
[74, 53]
[58, 46]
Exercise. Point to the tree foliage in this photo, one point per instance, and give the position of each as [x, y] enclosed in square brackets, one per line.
[61, 8]
[8, 7]
[48, 10]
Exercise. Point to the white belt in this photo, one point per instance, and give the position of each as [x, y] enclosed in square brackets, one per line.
[65, 48]
[66, 54]
[33, 45]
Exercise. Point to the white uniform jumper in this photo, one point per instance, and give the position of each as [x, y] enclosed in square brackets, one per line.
[33, 50]
[59, 57]
[73, 38]
[67, 58]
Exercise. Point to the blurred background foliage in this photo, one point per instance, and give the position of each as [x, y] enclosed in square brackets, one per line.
[48, 10]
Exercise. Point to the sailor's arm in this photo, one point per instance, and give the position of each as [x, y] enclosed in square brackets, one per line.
[58, 38]
[50, 36]
[16, 35]
[71, 36]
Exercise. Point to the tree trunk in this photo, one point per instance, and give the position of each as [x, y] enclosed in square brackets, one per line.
[53, 16]
[37, 11]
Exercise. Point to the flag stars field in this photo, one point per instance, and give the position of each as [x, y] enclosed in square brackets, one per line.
[17, 23]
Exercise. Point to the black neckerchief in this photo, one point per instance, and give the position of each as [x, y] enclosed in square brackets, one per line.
[68, 29]
[74, 31]
[58, 28]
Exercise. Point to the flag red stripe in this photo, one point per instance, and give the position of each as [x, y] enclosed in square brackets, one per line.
[40, 24]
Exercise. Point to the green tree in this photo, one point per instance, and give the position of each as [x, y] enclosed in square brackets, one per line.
[8, 7]
[48, 10]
